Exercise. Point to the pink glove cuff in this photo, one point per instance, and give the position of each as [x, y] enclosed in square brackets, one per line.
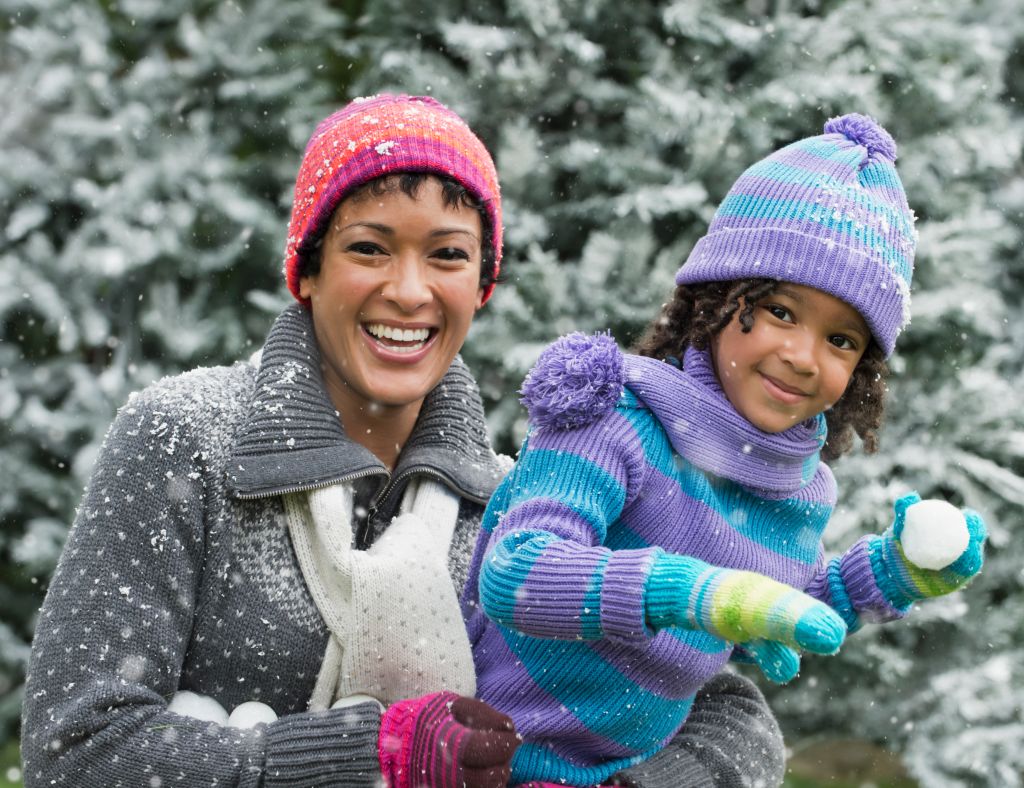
[394, 745]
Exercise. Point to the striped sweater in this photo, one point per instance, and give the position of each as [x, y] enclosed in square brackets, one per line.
[568, 638]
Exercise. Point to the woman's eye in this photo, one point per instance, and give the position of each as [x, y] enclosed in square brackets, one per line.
[365, 248]
[843, 342]
[451, 254]
[780, 312]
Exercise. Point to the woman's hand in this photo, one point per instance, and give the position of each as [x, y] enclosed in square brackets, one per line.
[446, 741]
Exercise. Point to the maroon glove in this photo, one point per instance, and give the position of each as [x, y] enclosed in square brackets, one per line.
[445, 740]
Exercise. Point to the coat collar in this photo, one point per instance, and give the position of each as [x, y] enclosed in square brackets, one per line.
[293, 439]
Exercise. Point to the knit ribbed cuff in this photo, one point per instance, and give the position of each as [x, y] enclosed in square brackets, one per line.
[395, 742]
[623, 591]
[324, 748]
[669, 587]
[872, 589]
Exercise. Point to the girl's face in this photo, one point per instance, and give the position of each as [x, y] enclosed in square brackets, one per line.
[398, 286]
[797, 359]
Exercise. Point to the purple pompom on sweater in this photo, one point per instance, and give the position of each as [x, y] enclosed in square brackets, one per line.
[575, 381]
[866, 131]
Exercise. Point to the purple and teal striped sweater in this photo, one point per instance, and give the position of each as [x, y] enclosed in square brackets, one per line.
[614, 474]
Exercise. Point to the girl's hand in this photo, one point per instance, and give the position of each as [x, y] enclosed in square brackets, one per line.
[926, 530]
[743, 607]
[778, 663]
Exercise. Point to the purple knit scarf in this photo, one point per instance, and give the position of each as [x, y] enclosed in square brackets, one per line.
[707, 430]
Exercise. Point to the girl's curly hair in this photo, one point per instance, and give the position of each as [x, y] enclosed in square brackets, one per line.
[697, 313]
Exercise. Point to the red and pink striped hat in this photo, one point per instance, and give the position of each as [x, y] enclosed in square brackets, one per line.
[376, 136]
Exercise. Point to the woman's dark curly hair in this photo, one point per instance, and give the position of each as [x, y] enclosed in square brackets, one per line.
[453, 195]
[697, 313]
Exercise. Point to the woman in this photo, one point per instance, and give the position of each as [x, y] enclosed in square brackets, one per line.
[202, 557]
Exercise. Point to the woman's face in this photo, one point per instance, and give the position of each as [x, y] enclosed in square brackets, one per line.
[398, 286]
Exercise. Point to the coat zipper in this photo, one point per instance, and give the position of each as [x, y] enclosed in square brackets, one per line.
[348, 477]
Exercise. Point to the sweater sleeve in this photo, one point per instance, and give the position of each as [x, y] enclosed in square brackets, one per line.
[115, 627]
[546, 571]
[850, 585]
[730, 740]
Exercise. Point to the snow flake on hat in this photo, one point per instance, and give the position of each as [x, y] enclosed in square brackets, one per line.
[384, 148]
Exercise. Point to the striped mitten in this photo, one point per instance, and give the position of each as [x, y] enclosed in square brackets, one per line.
[738, 606]
[446, 740]
[933, 530]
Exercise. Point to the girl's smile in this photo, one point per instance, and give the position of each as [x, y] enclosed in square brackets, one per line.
[796, 360]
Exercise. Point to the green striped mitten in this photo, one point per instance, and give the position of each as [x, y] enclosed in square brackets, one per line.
[739, 606]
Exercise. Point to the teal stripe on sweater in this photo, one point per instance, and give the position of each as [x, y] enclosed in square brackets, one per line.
[570, 670]
[622, 537]
[573, 481]
[703, 642]
[530, 760]
[805, 520]
[498, 505]
[499, 590]
[590, 615]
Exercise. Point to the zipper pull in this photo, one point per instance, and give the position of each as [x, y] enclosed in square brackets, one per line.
[363, 531]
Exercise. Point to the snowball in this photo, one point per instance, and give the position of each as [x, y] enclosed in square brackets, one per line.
[354, 700]
[200, 707]
[250, 714]
[934, 534]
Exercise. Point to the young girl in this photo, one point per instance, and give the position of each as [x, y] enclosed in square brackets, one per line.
[666, 506]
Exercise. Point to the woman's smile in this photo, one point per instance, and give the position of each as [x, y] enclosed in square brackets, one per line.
[399, 343]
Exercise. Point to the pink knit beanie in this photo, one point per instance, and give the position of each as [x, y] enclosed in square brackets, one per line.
[376, 136]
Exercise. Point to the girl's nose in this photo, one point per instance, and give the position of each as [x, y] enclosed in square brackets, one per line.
[800, 351]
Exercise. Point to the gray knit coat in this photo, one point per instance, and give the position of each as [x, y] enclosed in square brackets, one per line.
[178, 573]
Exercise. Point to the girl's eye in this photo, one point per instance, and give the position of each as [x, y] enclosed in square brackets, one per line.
[780, 312]
[842, 342]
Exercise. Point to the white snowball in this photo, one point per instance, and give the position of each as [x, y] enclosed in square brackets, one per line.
[250, 714]
[200, 707]
[934, 534]
[354, 700]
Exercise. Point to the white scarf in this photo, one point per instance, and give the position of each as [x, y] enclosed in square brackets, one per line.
[394, 617]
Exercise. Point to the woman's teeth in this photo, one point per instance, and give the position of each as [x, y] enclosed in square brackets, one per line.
[418, 336]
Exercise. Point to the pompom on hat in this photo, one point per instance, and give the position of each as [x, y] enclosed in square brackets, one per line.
[829, 212]
[376, 136]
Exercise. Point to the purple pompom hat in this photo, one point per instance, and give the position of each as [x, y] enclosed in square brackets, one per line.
[829, 212]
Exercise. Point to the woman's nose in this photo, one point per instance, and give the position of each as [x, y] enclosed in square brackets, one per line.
[407, 286]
